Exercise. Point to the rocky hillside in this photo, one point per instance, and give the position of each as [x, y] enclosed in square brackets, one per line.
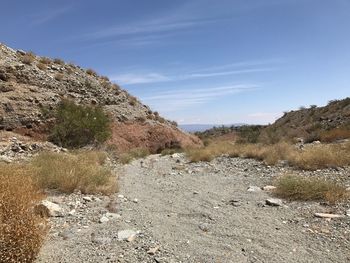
[314, 123]
[29, 83]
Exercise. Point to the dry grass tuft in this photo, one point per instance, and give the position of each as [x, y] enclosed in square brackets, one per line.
[321, 156]
[312, 157]
[41, 66]
[21, 230]
[133, 154]
[294, 187]
[83, 171]
[334, 135]
[45, 60]
[59, 77]
[91, 72]
[58, 61]
[28, 58]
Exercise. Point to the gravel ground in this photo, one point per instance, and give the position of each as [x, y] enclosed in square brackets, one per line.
[180, 212]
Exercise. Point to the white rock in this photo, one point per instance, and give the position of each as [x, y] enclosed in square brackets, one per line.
[127, 234]
[325, 215]
[54, 210]
[274, 202]
[121, 196]
[112, 215]
[348, 212]
[135, 200]
[104, 219]
[269, 188]
[152, 250]
[176, 155]
[254, 189]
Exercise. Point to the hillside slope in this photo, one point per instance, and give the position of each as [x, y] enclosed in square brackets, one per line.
[314, 123]
[29, 83]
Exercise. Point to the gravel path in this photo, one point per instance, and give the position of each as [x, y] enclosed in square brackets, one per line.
[202, 212]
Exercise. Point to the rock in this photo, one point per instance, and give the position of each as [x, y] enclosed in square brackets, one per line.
[274, 202]
[87, 198]
[269, 188]
[153, 250]
[127, 234]
[66, 234]
[113, 215]
[176, 155]
[121, 196]
[348, 212]
[54, 210]
[325, 215]
[254, 189]
[104, 219]
[135, 200]
[204, 227]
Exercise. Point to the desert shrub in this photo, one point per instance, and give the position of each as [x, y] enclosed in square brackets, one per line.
[249, 133]
[78, 125]
[28, 58]
[84, 171]
[132, 101]
[334, 135]
[45, 60]
[310, 158]
[21, 230]
[321, 156]
[59, 77]
[41, 66]
[294, 187]
[133, 154]
[91, 72]
[58, 61]
[104, 78]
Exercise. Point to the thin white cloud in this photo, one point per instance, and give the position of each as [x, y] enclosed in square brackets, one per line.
[134, 78]
[175, 100]
[50, 15]
[128, 79]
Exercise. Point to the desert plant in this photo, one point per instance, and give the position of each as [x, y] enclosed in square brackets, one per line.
[91, 72]
[295, 187]
[59, 77]
[84, 171]
[78, 125]
[21, 230]
[28, 58]
[58, 61]
[334, 135]
[133, 154]
[45, 60]
[41, 66]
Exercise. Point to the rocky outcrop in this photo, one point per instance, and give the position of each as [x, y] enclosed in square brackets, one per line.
[29, 84]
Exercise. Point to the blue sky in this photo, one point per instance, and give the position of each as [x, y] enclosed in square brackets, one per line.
[198, 61]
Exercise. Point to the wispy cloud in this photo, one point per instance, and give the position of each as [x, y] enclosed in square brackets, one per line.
[128, 79]
[143, 78]
[175, 100]
[146, 27]
[49, 15]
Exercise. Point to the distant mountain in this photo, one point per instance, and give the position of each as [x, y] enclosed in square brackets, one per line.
[204, 127]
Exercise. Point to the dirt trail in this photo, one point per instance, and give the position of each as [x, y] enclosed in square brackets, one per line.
[203, 213]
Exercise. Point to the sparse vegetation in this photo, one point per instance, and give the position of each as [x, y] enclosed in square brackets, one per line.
[28, 58]
[310, 158]
[41, 66]
[133, 154]
[78, 125]
[45, 60]
[59, 77]
[58, 61]
[84, 171]
[334, 135]
[295, 187]
[91, 72]
[21, 230]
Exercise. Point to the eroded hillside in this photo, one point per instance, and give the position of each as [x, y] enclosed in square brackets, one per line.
[29, 84]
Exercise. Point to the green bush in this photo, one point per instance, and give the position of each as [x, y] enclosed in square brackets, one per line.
[78, 125]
